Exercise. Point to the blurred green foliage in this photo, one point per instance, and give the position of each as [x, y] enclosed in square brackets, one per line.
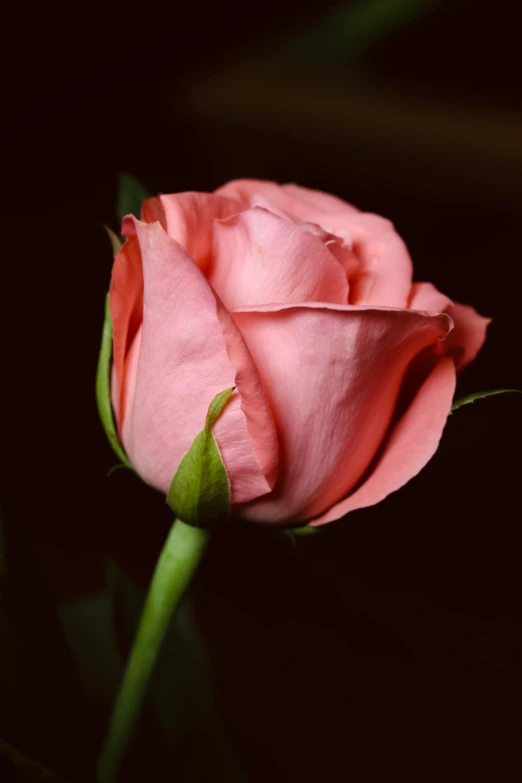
[347, 32]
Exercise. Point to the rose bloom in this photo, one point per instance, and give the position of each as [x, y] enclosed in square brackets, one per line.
[344, 368]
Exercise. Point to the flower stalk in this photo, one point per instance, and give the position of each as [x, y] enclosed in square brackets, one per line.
[178, 561]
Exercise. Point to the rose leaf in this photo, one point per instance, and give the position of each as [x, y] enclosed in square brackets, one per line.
[479, 396]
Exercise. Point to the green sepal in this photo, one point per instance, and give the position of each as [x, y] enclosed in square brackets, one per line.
[479, 396]
[295, 532]
[306, 530]
[114, 240]
[200, 490]
[103, 388]
[131, 194]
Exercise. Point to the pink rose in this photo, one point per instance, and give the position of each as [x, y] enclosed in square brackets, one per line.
[344, 369]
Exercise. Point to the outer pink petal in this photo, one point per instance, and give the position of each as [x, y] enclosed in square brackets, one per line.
[384, 277]
[469, 333]
[467, 338]
[188, 218]
[254, 402]
[332, 375]
[318, 200]
[296, 202]
[126, 305]
[424, 296]
[412, 443]
[261, 258]
[179, 364]
[131, 367]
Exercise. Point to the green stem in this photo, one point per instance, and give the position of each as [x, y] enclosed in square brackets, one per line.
[177, 563]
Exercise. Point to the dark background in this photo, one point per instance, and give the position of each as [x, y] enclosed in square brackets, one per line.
[390, 643]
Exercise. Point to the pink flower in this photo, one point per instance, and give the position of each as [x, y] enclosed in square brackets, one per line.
[344, 369]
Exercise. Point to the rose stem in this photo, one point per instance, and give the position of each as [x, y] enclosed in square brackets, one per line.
[176, 565]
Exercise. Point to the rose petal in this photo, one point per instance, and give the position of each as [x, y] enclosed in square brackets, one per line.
[254, 403]
[183, 363]
[339, 246]
[296, 202]
[384, 277]
[258, 199]
[424, 296]
[412, 443]
[188, 218]
[260, 258]
[467, 338]
[126, 306]
[318, 200]
[469, 333]
[131, 368]
[332, 375]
